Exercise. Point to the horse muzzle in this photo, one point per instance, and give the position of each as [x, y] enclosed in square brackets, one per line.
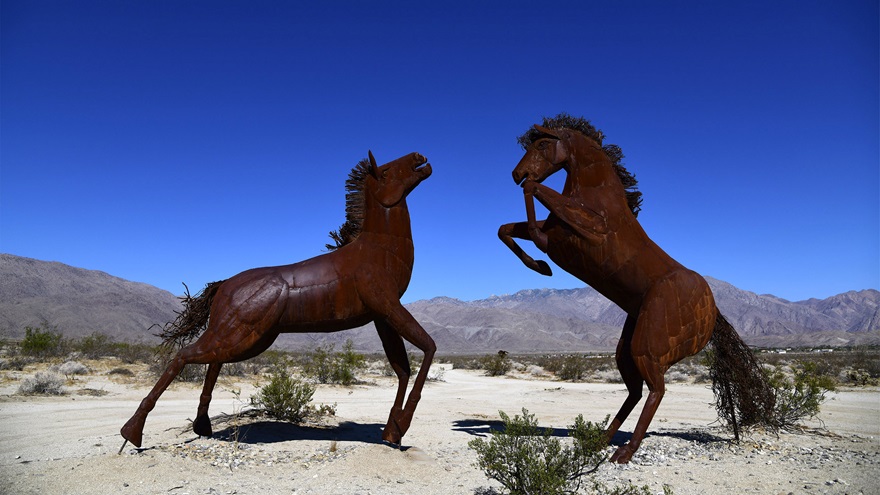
[421, 166]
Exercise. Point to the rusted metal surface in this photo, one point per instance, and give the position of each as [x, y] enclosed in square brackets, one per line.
[592, 232]
[360, 280]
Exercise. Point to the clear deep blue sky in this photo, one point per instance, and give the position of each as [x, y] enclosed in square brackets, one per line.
[182, 141]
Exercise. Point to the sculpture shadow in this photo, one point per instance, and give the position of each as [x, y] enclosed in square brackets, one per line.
[701, 437]
[485, 427]
[267, 431]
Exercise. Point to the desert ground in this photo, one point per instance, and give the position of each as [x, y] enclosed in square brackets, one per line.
[70, 444]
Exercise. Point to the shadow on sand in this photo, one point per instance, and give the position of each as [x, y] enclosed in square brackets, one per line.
[267, 431]
[484, 428]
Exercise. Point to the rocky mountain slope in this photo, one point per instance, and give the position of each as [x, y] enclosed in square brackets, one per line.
[79, 302]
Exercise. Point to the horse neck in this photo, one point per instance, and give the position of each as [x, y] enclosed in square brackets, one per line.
[393, 221]
[588, 168]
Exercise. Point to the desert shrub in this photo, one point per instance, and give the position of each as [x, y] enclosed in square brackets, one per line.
[573, 368]
[437, 375]
[95, 346]
[798, 396]
[43, 383]
[71, 368]
[233, 369]
[496, 364]
[528, 460]
[41, 343]
[16, 363]
[121, 371]
[133, 353]
[326, 366]
[284, 397]
[463, 362]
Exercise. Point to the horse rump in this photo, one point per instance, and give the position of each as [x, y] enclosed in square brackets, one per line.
[743, 396]
[192, 320]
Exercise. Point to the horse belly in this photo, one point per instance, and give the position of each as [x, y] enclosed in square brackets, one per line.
[595, 266]
[326, 307]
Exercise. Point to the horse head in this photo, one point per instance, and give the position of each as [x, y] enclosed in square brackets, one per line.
[545, 156]
[392, 182]
[552, 150]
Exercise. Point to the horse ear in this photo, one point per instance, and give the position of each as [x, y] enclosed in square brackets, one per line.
[374, 169]
[549, 132]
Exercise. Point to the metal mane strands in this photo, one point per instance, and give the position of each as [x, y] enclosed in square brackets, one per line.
[354, 206]
[614, 153]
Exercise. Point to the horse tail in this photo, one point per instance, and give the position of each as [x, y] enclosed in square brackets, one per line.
[192, 320]
[743, 396]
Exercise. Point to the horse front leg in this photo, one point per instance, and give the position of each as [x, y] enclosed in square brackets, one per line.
[586, 222]
[395, 350]
[520, 230]
[402, 322]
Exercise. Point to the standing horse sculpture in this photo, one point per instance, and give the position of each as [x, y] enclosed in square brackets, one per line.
[592, 233]
[348, 287]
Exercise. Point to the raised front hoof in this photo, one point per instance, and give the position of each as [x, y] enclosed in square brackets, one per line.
[133, 431]
[202, 426]
[623, 455]
[541, 267]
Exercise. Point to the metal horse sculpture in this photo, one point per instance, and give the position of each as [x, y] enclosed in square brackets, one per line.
[348, 287]
[592, 233]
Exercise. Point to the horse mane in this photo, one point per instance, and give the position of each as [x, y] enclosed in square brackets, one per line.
[614, 153]
[354, 206]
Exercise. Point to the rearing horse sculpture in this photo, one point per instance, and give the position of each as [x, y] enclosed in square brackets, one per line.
[592, 233]
[348, 287]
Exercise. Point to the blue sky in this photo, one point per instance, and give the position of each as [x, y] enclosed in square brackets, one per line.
[182, 141]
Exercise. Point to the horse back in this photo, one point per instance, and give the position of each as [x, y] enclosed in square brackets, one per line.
[309, 296]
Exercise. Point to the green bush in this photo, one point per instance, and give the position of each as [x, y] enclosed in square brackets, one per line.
[573, 368]
[42, 343]
[798, 396]
[284, 397]
[326, 366]
[496, 364]
[528, 460]
[95, 346]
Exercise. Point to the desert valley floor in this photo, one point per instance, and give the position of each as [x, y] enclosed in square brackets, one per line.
[68, 444]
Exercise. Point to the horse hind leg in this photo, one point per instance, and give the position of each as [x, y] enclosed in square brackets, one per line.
[133, 429]
[632, 378]
[202, 423]
[653, 375]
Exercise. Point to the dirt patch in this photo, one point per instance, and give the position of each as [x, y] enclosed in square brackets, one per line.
[56, 445]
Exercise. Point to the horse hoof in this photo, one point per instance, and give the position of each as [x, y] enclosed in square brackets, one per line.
[202, 426]
[622, 456]
[391, 433]
[133, 431]
[543, 268]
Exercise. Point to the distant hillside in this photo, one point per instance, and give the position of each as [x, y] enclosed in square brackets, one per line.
[80, 302]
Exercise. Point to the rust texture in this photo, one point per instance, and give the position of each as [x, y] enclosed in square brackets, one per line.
[592, 232]
[361, 279]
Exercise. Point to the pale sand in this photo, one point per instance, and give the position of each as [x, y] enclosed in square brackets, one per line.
[69, 444]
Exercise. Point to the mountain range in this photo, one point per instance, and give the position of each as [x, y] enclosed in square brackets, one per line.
[79, 302]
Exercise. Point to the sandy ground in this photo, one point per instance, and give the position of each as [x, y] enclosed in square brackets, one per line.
[69, 444]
